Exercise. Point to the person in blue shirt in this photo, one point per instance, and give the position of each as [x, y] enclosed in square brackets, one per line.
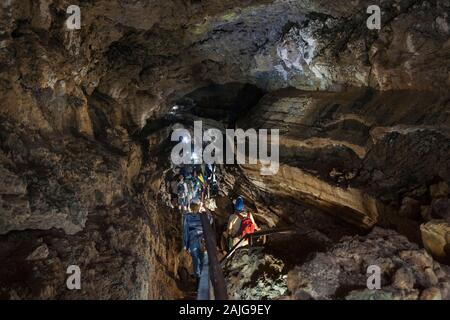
[193, 238]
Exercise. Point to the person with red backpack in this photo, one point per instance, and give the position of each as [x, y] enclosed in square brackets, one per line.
[240, 224]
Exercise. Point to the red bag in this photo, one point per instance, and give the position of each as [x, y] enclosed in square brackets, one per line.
[247, 226]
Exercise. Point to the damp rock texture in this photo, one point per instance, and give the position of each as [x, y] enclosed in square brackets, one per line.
[406, 272]
[254, 275]
[86, 117]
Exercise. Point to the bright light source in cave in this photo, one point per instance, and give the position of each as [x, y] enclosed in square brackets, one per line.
[194, 156]
[174, 109]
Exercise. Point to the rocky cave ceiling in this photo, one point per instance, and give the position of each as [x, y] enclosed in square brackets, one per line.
[85, 120]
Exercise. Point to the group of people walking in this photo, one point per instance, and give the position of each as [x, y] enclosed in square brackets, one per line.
[192, 187]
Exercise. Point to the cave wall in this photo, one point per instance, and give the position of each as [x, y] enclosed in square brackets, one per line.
[360, 153]
[77, 186]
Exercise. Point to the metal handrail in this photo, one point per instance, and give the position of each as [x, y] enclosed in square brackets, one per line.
[216, 272]
[259, 234]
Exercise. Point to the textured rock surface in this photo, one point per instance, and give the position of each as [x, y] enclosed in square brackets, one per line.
[84, 126]
[407, 272]
[253, 275]
[436, 238]
[357, 153]
[122, 243]
[339, 271]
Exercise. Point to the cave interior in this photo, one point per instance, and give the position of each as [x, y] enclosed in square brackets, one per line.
[363, 115]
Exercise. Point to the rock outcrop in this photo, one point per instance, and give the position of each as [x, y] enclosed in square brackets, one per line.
[253, 275]
[436, 238]
[407, 272]
[341, 271]
[358, 153]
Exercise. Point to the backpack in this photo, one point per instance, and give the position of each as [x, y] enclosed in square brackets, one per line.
[181, 190]
[214, 189]
[247, 226]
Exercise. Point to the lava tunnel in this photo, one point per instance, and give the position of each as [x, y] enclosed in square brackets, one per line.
[239, 149]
